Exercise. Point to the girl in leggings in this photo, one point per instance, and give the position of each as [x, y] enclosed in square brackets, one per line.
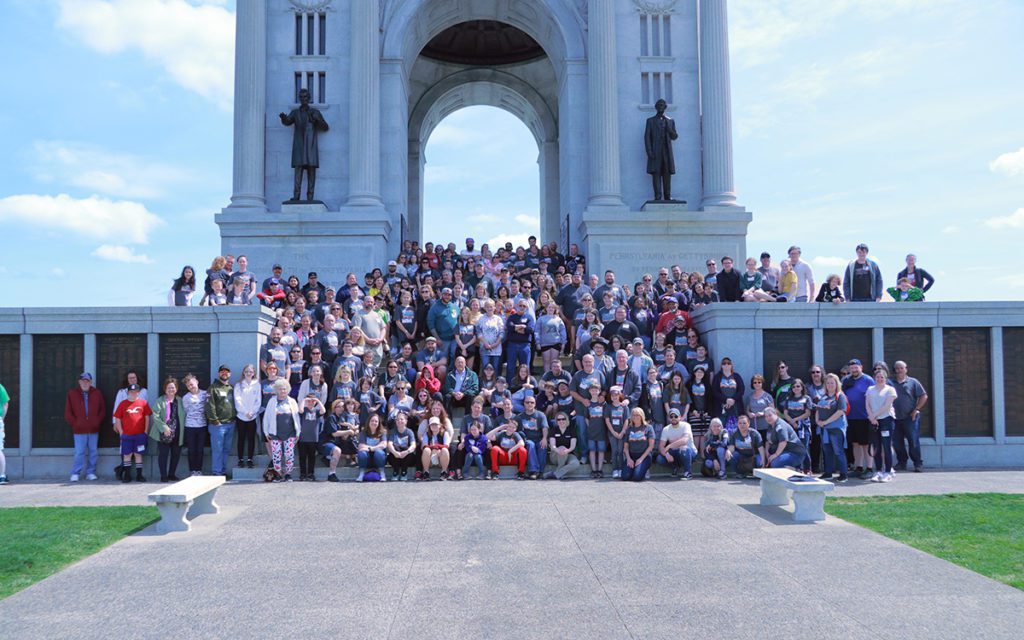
[248, 398]
[882, 417]
[281, 428]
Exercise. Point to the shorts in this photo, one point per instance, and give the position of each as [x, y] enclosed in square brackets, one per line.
[133, 444]
[596, 445]
[699, 425]
[859, 431]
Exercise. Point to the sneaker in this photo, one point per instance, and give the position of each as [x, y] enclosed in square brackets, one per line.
[825, 476]
[91, 476]
[600, 474]
[445, 476]
[196, 473]
[490, 475]
[901, 467]
[520, 476]
[687, 475]
[332, 477]
[675, 472]
[359, 478]
[616, 474]
[126, 476]
[425, 476]
[868, 474]
[173, 478]
[249, 464]
[287, 477]
[458, 474]
[721, 475]
[383, 477]
[918, 469]
[842, 478]
[887, 477]
[3, 479]
[550, 475]
[419, 475]
[647, 476]
[138, 476]
[877, 477]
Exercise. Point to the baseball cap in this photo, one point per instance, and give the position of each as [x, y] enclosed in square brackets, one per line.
[312, 274]
[275, 281]
[446, 290]
[616, 389]
[765, 254]
[276, 266]
[638, 341]
[670, 299]
[855, 361]
[434, 420]
[223, 367]
[674, 412]
[85, 375]
[501, 379]
[431, 339]
[392, 263]
[133, 387]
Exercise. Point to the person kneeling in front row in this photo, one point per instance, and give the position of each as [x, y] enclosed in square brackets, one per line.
[716, 451]
[789, 450]
[746, 447]
[562, 444]
[676, 449]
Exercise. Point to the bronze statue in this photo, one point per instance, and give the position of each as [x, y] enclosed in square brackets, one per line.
[658, 137]
[305, 152]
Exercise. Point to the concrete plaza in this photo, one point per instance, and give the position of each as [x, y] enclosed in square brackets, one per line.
[511, 560]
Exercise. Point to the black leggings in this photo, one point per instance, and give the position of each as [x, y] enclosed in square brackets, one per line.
[401, 464]
[245, 433]
[195, 440]
[165, 450]
[307, 458]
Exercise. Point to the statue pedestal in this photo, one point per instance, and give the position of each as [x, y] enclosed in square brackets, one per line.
[662, 234]
[306, 237]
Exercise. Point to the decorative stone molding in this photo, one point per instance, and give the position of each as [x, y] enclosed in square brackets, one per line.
[310, 6]
[655, 7]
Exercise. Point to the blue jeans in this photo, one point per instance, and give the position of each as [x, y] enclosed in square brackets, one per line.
[474, 459]
[907, 430]
[718, 454]
[518, 353]
[220, 445]
[787, 459]
[618, 455]
[581, 437]
[536, 457]
[494, 361]
[681, 459]
[881, 442]
[834, 450]
[637, 473]
[85, 443]
[371, 460]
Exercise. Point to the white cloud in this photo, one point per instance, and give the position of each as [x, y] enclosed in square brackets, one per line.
[57, 272]
[98, 170]
[529, 221]
[517, 240]
[193, 42]
[951, 229]
[1013, 221]
[833, 262]
[93, 217]
[120, 253]
[1009, 164]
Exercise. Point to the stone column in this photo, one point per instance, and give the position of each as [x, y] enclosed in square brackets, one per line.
[250, 105]
[716, 105]
[364, 107]
[605, 178]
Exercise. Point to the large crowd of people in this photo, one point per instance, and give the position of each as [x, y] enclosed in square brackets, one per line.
[445, 361]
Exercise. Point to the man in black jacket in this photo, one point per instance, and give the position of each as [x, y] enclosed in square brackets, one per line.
[728, 283]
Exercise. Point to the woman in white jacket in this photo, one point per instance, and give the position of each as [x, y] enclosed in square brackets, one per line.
[281, 428]
[248, 398]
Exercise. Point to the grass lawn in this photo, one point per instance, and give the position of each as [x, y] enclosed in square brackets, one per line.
[983, 532]
[39, 541]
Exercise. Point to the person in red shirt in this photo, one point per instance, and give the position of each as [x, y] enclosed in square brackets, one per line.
[131, 422]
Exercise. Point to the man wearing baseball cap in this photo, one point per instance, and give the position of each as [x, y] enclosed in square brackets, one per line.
[220, 418]
[676, 449]
[84, 410]
[276, 269]
[131, 422]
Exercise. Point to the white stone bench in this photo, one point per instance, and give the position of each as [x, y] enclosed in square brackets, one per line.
[192, 496]
[808, 496]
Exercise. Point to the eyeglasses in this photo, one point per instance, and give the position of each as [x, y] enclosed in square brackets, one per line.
[756, 382]
[563, 420]
[782, 366]
[711, 264]
[815, 373]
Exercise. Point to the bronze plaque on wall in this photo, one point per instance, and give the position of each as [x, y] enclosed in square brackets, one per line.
[182, 353]
[1013, 378]
[967, 364]
[116, 354]
[914, 346]
[56, 362]
[841, 345]
[792, 346]
[10, 378]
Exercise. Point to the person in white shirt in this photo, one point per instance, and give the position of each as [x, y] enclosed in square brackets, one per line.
[879, 400]
[248, 398]
[804, 275]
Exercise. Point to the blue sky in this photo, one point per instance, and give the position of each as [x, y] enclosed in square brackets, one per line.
[895, 122]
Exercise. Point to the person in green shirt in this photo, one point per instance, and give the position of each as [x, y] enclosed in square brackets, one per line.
[5, 401]
[905, 292]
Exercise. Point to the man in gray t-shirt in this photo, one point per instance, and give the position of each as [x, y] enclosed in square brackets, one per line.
[804, 276]
[910, 398]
